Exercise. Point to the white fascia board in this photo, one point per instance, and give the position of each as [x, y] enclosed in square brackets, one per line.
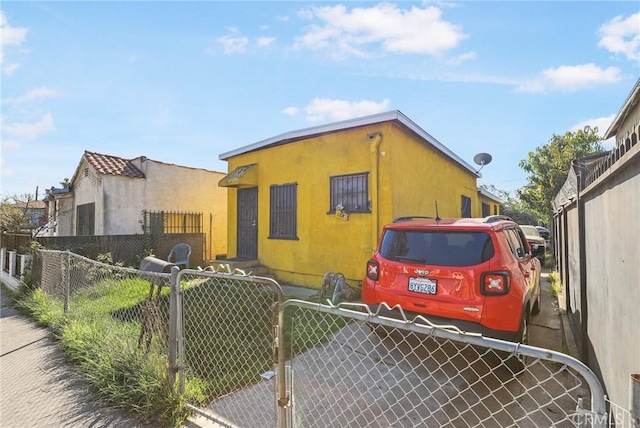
[491, 196]
[630, 102]
[353, 123]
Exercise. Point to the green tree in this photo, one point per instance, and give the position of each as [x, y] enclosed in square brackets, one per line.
[14, 213]
[549, 165]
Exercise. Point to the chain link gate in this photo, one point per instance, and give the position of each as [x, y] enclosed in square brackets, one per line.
[343, 365]
[359, 369]
[226, 346]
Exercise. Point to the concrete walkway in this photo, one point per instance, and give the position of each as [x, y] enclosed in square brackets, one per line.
[38, 388]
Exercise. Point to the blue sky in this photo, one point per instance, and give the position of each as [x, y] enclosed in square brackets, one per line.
[183, 82]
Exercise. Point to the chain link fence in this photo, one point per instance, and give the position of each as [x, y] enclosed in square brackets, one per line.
[243, 357]
[380, 372]
[121, 308]
[227, 354]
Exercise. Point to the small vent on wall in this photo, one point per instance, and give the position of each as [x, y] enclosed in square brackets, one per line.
[86, 172]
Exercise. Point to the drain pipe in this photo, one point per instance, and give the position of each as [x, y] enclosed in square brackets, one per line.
[375, 139]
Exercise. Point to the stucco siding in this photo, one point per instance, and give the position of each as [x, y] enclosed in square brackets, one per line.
[184, 189]
[64, 215]
[422, 176]
[120, 200]
[88, 189]
[325, 242]
[123, 203]
[399, 183]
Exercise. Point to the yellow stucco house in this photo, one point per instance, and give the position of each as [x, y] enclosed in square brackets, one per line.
[314, 200]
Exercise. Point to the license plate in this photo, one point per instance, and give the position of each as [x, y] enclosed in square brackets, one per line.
[422, 285]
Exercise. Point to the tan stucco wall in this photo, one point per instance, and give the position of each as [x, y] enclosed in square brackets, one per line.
[325, 242]
[168, 187]
[422, 176]
[120, 201]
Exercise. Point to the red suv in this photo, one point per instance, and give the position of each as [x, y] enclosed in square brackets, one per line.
[478, 274]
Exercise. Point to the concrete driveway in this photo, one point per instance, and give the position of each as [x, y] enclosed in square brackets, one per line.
[360, 379]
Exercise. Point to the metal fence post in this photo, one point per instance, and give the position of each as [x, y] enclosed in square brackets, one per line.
[66, 279]
[173, 326]
[179, 328]
[634, 398]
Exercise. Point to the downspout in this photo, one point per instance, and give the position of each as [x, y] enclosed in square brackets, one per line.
[375, 140]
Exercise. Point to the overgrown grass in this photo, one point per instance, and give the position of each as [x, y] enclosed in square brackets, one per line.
[228, 341]
[555, 283]
[104, 347]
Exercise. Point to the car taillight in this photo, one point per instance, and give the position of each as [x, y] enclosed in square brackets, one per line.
[494, 283]
[373, 270]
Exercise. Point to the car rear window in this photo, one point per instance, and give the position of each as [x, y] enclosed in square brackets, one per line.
[437, 248]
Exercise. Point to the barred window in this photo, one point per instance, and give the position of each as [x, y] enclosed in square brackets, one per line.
[351, 192]
[466, 206]
[283, 211]
[160, 222]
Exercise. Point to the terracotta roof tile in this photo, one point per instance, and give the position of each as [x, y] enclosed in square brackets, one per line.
[112, 165]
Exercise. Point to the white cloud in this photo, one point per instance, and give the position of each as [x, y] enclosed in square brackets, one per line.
[327, 109]
[29, 130]
[602, 123]
[265, 41]
[231, 44]
[11, 36]
[9, 69]
[464, 57]
[571, 78]
[411, 31]
[37, 93]
[622, 36]
[290, 111]
[6, 172]
[10, 144]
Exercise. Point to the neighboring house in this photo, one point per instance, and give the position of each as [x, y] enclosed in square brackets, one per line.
[110, 195]
[36, 213]
[489, 203]
[597, 236]
[312, 201]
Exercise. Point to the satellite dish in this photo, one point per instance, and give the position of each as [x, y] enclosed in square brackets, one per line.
[482, 159]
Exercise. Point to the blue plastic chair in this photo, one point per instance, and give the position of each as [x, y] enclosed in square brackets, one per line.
[180, 253]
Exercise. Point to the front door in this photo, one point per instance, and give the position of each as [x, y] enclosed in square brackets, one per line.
[248, 223]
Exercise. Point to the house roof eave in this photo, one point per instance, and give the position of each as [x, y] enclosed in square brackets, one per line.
[394, 115]
[632, 101]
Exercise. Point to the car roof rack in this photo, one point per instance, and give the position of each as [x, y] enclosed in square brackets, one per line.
[494, 218]
[410, 217]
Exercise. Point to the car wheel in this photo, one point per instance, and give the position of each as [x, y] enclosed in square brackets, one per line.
[516, 363]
